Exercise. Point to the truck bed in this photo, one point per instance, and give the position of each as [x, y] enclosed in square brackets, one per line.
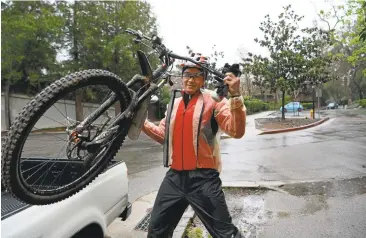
[11, 206]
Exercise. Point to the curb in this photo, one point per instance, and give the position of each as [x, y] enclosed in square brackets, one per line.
[294, 128]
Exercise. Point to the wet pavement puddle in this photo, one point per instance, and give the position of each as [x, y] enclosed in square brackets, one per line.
[253, 209]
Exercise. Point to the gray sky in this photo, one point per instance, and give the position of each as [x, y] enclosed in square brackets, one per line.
[229, 24]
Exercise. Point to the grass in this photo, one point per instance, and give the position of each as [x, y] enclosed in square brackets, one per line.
[195, 232]
[283, 214]
[192, 231]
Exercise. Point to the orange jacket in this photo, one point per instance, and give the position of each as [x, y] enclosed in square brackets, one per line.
[230, 116]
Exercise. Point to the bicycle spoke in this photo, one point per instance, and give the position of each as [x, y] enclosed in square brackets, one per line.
[34, 167]
[52, 165]
[37, 148]
[53, 135]
[43, 166]
[59, 174]
[59, 110]
[55, 120]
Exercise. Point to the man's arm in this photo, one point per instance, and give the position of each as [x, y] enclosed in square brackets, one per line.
[155, 132]
[231, 116]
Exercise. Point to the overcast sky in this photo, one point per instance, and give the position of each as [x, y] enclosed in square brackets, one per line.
[228, 24]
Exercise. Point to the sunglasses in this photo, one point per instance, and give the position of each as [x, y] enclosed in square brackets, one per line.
[190, 75]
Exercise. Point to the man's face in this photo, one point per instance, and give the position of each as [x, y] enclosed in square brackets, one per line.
[193, 80]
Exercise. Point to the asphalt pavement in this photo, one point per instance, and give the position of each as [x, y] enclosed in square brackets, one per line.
[323, 170]
[316, 160]
[333, 150]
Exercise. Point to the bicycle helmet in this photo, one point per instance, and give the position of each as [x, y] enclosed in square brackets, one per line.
[199, 58]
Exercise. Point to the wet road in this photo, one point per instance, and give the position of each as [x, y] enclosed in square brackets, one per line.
[322, 209]
[320, 205]
[326, 166]
[334, 150]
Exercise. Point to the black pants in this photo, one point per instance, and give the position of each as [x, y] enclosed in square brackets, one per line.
[202, 190]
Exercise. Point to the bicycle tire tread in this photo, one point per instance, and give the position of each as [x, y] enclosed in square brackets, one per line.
[24, 119]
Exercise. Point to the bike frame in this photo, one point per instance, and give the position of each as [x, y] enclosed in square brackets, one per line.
[148, 78]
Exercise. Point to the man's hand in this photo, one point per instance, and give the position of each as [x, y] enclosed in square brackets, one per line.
[234, 84]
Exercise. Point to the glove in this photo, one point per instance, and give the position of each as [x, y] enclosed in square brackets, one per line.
[222, 89]
[232, 69]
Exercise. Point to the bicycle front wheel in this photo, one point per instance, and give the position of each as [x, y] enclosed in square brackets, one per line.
[37, 170]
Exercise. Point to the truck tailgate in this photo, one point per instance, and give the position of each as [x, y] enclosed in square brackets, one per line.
[11, 206]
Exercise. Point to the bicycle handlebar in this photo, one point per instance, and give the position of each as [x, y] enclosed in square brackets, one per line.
[164, 51]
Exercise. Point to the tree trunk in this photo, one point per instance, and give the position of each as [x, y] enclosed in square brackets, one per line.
[276, 96]
[349, 90]
[75, 52]
[283, 105]
[79, 106]
[249, 86]
[7, 105]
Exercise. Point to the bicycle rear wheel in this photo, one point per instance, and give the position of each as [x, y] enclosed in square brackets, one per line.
[64, 176]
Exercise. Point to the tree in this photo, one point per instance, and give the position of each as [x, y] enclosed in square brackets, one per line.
[295, 61]
[317, 62]
[347, 41]
[95, 38]
[363, 29]
[280, 38]
[30, 40]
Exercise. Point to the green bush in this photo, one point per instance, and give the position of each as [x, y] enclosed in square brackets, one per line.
[307, 105]
[255, 105]
[362, 103]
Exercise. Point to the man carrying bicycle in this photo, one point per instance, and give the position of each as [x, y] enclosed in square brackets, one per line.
[190, 134]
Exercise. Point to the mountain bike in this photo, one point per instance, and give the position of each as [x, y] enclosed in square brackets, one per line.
[88, 147]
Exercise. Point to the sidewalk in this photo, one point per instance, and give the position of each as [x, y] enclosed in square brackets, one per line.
[141, 208]
[143, 205]
[126, 229]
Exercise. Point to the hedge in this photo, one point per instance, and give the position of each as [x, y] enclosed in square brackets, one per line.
[362, 103]
[255, 105]
[307, 105]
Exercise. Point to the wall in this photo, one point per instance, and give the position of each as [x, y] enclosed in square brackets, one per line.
[54, 116]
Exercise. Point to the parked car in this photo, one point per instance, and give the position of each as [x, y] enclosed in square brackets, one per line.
[86, 214]
[293, 106]
[332, 105]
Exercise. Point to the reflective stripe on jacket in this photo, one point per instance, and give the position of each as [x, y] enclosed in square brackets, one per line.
[230, 116]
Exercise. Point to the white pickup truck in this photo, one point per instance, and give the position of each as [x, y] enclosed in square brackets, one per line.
[86, 214]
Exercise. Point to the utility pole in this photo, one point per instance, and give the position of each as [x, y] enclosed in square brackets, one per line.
[313, 101]
[318, 95]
